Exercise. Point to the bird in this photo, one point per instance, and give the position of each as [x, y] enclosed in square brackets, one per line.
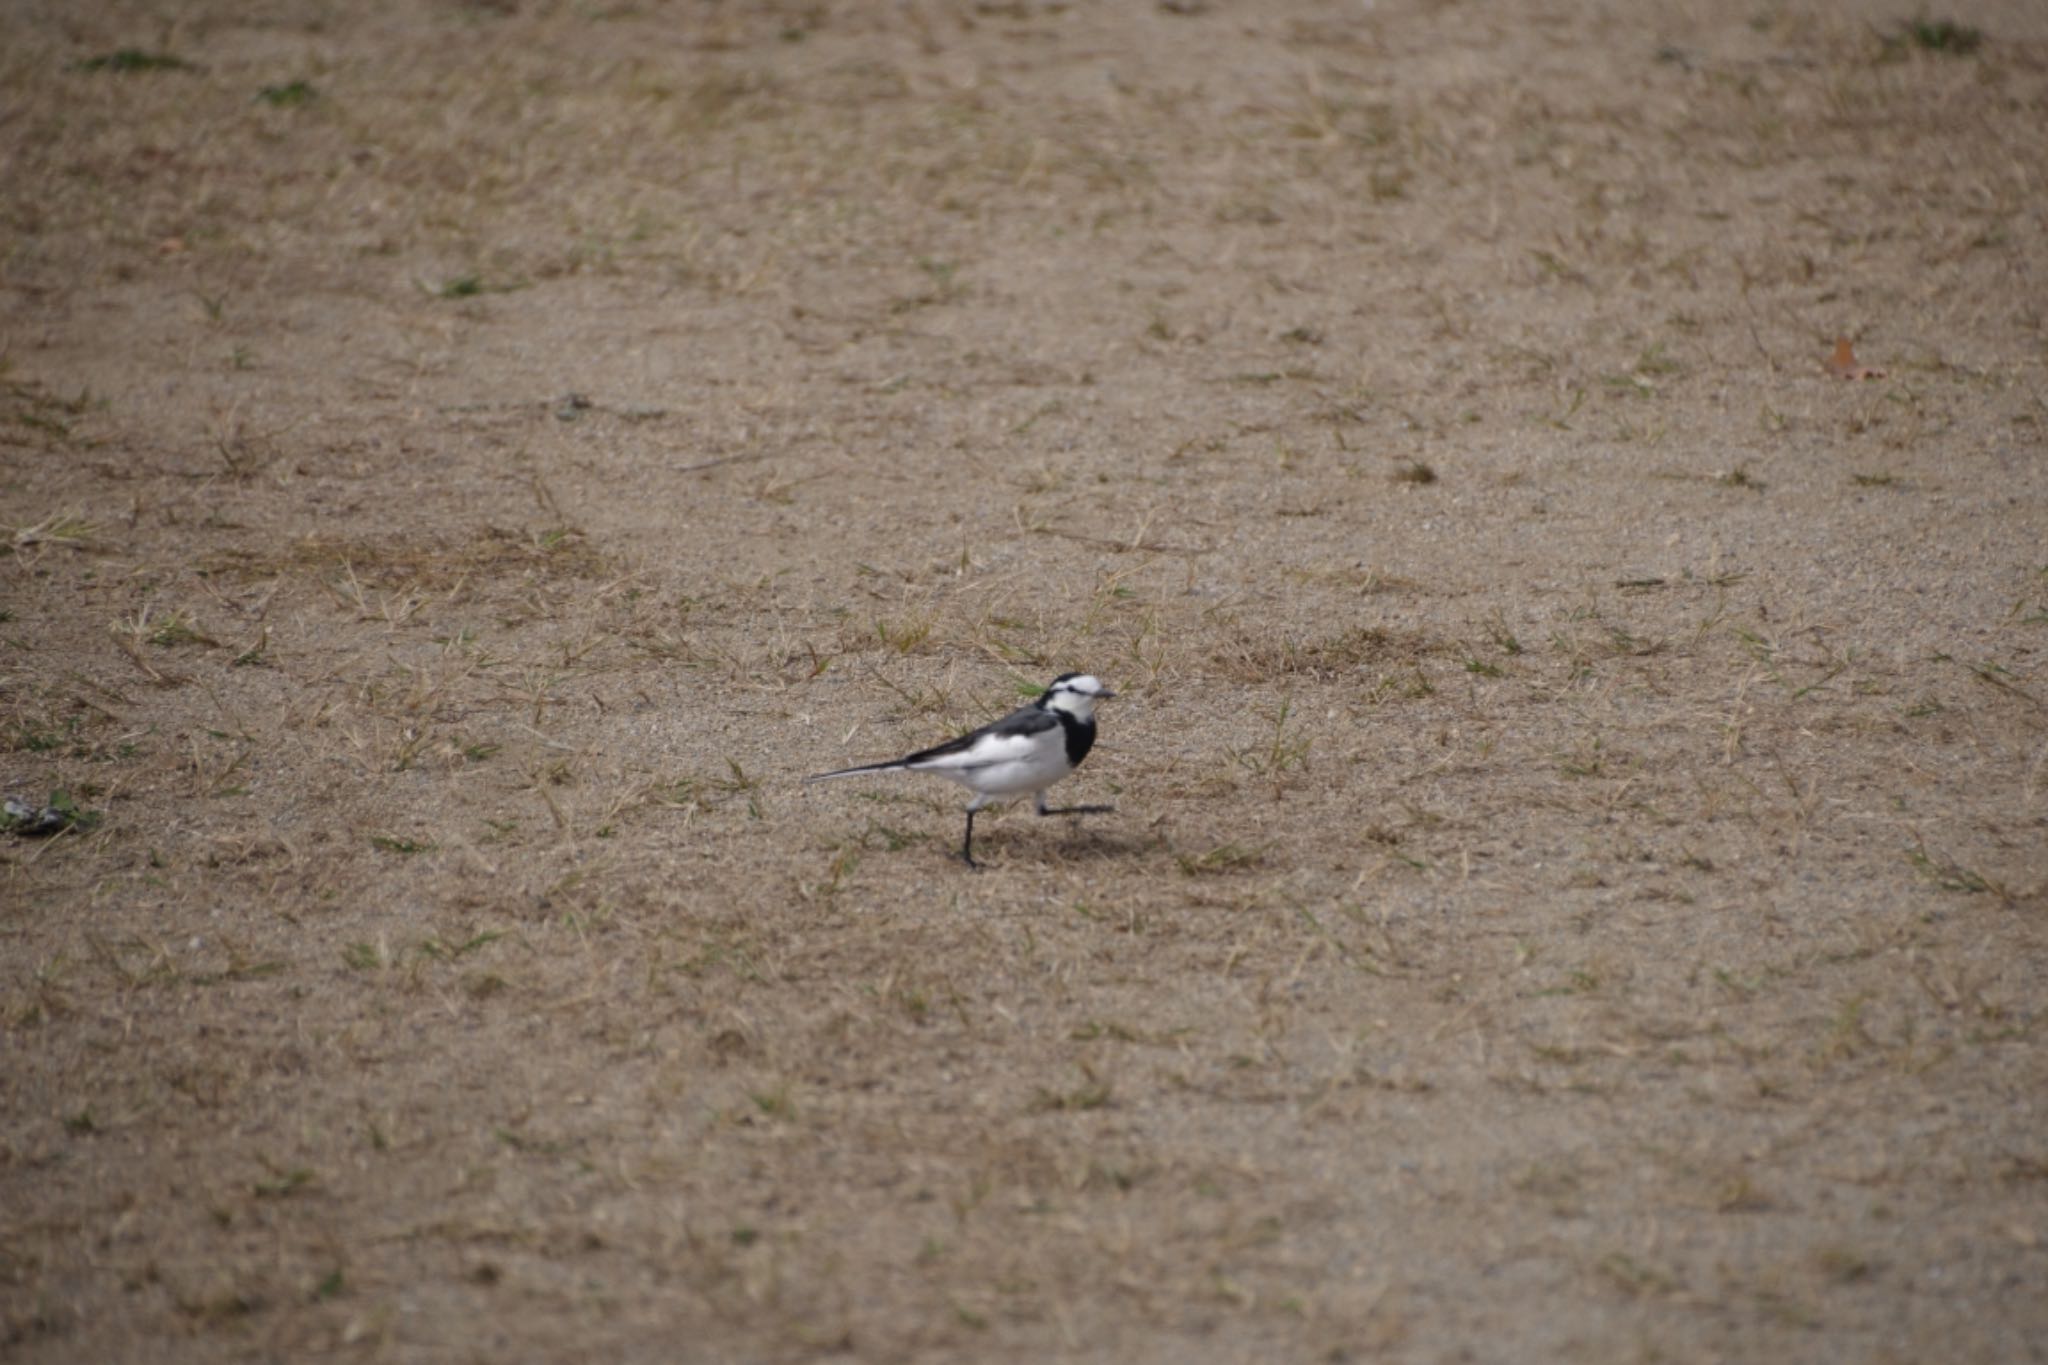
[1025, 752]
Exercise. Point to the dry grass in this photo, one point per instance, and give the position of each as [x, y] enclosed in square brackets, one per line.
[1577, 883]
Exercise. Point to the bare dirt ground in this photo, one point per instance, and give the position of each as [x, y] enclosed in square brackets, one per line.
[1580, 882]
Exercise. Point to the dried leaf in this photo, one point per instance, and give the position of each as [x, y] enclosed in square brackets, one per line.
[1844, 366]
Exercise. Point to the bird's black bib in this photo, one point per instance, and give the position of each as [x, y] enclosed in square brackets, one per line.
[1080, 737]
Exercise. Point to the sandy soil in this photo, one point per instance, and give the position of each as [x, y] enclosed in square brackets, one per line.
[1579, 886]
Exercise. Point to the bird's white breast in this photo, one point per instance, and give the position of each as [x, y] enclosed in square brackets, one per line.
[1007, 765]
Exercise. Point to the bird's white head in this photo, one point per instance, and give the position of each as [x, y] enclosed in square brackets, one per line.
[1076, 694]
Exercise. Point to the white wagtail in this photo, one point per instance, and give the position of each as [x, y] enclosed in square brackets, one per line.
[1026, 751]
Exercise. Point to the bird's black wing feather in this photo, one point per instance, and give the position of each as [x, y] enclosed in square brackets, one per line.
[1025, 720]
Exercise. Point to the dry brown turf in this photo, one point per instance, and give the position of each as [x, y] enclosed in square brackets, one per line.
[1579, 886]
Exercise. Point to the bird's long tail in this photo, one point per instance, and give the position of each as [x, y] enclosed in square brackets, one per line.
[856, 772]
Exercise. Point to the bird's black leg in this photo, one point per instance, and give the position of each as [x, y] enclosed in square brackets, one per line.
[967, 845]
[1044, 809]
